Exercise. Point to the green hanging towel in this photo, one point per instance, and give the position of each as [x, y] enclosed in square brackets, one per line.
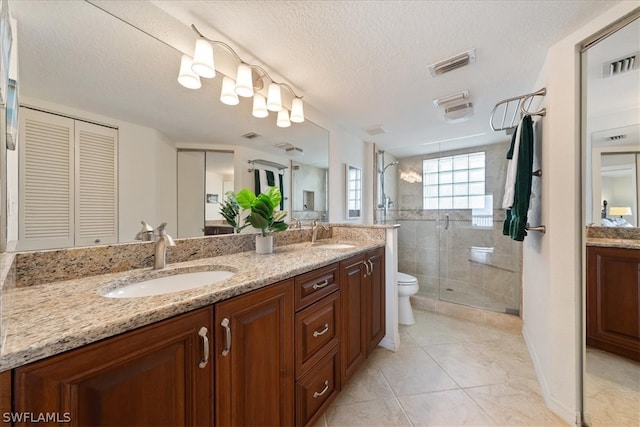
[517, 215]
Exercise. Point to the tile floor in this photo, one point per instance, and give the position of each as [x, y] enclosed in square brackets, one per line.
[612, 390]
[447, 372]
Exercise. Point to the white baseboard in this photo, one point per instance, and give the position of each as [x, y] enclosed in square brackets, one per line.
[554, 405]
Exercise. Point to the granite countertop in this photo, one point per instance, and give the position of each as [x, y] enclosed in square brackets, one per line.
[613, 243]
[55, 317]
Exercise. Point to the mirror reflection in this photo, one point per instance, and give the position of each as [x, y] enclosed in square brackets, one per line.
[611, 149]
[94, 74]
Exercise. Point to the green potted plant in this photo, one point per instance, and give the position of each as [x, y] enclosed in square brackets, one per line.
[263, 215]
[230, 210]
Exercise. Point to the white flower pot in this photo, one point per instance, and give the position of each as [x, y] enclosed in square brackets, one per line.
[264, 244]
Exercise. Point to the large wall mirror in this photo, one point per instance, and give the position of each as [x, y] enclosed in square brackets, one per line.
[116, 63]
[611, 149]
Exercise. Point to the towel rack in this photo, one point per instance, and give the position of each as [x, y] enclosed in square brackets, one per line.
[265, 163]
[513, 106]
[541, 228]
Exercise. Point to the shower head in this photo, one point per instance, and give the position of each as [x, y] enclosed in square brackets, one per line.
[390, 164]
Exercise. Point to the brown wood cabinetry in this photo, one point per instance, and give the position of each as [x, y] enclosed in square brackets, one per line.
[152, 376]
[317, 325]
[613, 297]
[279, 356]
[353, 347]
[363, 302]
[254, 358]
[375, 313]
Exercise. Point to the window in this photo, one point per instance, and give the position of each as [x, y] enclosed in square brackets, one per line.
[454, 182]
[354, 191]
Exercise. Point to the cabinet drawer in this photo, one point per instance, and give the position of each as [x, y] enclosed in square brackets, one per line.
[317, 329]
[316, 390]
[312, 286]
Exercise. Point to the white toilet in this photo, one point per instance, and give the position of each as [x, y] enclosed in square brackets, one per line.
[407, 286]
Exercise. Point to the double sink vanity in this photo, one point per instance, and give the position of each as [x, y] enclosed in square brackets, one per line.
[232, 338]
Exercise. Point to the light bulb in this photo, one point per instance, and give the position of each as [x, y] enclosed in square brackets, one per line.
[274, 98]
[228, 93]
[203, 59]
[297, 111]
[186, 76]
[244, 81]
[283, 119]
[259, 106]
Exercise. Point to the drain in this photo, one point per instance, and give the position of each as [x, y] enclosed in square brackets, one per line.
[449, 289]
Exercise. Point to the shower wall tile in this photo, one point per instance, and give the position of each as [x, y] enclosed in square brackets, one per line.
[427, 234]
[407, 260]
[459, 266]
[407, 233]
[427, 262]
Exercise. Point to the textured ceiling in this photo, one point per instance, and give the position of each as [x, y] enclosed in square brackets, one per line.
[362, 63]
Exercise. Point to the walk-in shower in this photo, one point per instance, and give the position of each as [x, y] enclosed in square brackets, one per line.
[450, 236]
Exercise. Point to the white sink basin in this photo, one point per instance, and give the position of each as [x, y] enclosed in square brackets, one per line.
[334, 245]
[169, 284]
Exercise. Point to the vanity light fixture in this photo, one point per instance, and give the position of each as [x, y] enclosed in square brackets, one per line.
[186, 76]
[249, 80]
[283, 118]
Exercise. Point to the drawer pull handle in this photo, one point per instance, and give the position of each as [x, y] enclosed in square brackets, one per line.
[324, 390]
[324, 330]
[227, 344]
[321, 285]
[205, 342]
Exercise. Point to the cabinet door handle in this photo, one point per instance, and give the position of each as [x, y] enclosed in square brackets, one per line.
[227, 344]
[324, 390]
[321, 285]
[324, 330]
[368, 272]
[370, 265]
[205, 343]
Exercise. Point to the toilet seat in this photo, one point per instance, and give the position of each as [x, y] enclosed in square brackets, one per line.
[406, 279]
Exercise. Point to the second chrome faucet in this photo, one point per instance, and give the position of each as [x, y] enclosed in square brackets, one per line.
[160, 248]
[315, 225]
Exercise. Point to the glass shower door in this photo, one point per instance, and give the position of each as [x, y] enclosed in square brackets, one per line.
[478, 266]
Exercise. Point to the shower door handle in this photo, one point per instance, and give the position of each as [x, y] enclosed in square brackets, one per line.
[446, 222]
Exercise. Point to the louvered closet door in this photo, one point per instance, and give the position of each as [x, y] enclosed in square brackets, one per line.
[96, 180]
[46, 181]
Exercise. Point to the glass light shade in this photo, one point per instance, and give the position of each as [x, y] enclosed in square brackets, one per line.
[228, 93]
[619, 211]
[186, 76]
[244, 81]
[297, 111]
[259, 106]
[283, 119]
[203, 59]
[274, 98]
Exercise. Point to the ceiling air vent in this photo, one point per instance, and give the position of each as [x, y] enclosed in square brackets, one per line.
[458, 113]
[620, 65]
[616, 137]
[250, 135]
[376, 130]
[453, 63]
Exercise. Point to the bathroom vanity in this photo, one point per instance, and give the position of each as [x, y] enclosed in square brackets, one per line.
[612, 298]
[273, 345]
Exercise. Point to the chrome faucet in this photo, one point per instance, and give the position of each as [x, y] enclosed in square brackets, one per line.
[162, 241]
[314, 229]
[297, 223]
[146, 234]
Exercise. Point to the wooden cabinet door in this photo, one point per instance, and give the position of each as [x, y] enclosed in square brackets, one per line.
[613, 299]
[375, 299]
[152, 376]
[255, 359]
[353, 347]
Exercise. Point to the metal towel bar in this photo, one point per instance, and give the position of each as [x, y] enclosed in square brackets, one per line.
[514, 106]
[541, 228]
